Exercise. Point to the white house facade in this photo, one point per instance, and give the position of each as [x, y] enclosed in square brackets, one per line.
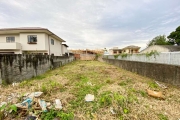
[30, 40]
[64, 49]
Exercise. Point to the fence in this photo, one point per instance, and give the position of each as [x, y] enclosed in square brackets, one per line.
[15, 68]
[172, 58]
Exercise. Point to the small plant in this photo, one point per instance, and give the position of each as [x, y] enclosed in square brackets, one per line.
[120, 99]
[44, 89]
[132, 98]
[143, 93]
[116, 56]
[162, 117]
[126, 111]
[65, 116]
[124, 55]
[123, 83]
[2, 108]
[4, 83]
[39, 77]
[105, 99]
[152, 53]
[59, 114]
[108, 81]
[153, 85]
[13, 108]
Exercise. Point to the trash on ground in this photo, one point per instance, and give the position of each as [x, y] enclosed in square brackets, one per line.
[112, 110]
[35, 94]
[58, 104]
[26, 94]
[155, 94]
[27, 102]
[89, 98]
[15, 84]
[43, 105]
[3, 103]
[160, 85]
[89, 83]
[31, 118]
[48, 104]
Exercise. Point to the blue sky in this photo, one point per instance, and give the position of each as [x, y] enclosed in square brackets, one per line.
[95, 24]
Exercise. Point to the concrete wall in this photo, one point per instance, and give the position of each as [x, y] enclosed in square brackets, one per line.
[172, 58]
[15, 68]
[87, 56]
[161, 72]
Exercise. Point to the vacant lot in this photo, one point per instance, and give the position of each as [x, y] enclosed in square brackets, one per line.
[119, 94]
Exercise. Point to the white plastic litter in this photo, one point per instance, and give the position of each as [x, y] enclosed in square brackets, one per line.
[89, 98]
[43, 105]
[112, 110]
[161, 85]
[58, 104]
[3, 103]
[35, 94]
[89, 83]
[15, 84]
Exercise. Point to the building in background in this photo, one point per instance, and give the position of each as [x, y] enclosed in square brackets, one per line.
[30, 40]
[86, 54]
[65, 49]
[162, 48]
[129, 50]
[115, 50]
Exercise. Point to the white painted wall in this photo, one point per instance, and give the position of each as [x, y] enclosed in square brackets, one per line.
[165, 58]
[43, 44]
[3, 38]
[32, 47]
[55, 49]
[153, 48]
[64, 49]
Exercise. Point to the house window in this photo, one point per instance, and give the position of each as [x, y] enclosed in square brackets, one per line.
[32, 39]
[10, 39]
[52, 42]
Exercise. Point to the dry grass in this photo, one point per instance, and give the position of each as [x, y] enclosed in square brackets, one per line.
[115, 88]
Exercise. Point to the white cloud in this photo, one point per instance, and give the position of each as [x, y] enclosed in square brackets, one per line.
[93, 24]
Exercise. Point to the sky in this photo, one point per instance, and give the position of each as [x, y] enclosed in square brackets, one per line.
[95, 24]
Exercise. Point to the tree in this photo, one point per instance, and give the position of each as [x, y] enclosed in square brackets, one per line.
[158, 40]
[174, 37]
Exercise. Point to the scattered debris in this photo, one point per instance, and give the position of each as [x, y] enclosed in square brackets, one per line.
[58, 104]
[155, 94]
[31, 118]
[89, 98]
[35, 94]
[15, 84]
[43, 105]
[89, 83]
[3, 103]
[112, 110]
[161, 85]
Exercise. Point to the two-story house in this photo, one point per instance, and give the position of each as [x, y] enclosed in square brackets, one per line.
[129, 50]
[30, 40]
